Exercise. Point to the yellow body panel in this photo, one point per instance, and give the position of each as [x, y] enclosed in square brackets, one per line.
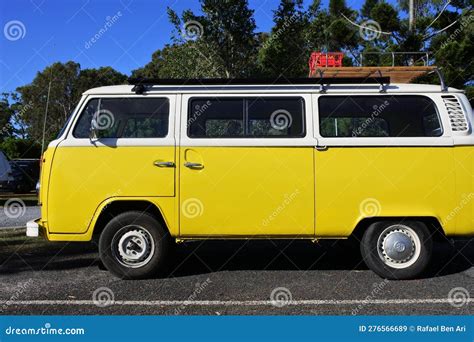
[360, 182]
[83, 178]
[247, 191]
[46, 163]
[166, 205]
[259, 191]
[463, 211]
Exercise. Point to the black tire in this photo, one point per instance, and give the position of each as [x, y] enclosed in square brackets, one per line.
[139, 229]
[376, 249]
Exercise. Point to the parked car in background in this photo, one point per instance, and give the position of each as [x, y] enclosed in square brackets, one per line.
[25, 175]
[5, 173]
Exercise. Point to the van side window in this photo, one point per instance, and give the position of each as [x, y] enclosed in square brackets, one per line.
[246, 117]
[214, 117]
[124, 118]
[378, 116]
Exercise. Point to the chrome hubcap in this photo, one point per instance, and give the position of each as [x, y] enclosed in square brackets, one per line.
[133, 246]
[399, 246]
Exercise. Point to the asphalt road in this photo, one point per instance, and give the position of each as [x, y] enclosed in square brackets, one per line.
[218, 278]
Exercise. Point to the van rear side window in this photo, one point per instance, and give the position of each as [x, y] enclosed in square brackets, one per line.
[249, 117]
[124, 118]
[378, 116]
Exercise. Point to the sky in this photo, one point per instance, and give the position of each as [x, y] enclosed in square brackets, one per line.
[37, 33]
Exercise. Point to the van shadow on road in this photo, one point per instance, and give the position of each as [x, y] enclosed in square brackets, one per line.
[21, 254]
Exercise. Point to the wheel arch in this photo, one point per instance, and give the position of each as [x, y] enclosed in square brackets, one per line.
[431, 222]
[117, 206]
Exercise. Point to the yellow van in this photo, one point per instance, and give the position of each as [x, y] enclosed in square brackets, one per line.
[143, 166]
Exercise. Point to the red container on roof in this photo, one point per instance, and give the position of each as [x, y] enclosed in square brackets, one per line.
[323, 60]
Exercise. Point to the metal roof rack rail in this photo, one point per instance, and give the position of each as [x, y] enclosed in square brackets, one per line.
[383, 86]
[444, 87]
[322, 88]
[141, 85]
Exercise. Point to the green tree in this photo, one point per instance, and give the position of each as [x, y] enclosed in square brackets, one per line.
[285, 52]
[367, 8]
[226, 35]
[387, 17]
[329, 31]
[91, 78]
[20, 148]
[338, 7]
[184, 61]
[65, 84]
[453, 51]
[6, 115]
[60, 79]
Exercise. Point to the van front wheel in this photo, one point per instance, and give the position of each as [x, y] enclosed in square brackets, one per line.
[397, 250]
[134, 245]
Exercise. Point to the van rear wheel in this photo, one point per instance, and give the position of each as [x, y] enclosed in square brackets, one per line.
[397, 250]
[134, 245]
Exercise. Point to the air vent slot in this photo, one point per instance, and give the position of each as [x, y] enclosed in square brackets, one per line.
[455, 113]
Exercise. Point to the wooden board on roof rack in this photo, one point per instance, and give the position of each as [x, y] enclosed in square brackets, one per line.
[397, 74]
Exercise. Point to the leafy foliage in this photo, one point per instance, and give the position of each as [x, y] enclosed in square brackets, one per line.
[20, 148]
[65, 84]
[222, 41]
[225, 34]
[286, 43]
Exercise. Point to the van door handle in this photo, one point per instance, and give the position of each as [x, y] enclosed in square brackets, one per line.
[193, 165]
[163, 164]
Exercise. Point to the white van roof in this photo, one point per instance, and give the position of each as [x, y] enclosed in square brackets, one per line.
[269, 88]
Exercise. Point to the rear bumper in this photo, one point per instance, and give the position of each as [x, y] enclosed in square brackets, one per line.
[33, 228]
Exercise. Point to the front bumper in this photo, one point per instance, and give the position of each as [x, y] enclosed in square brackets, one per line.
[33, 228]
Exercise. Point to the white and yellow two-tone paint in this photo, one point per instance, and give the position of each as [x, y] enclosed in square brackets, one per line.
[299, 188]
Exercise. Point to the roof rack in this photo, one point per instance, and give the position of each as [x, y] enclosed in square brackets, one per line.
[142, 85]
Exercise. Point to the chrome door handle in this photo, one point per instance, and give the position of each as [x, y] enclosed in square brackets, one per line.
[193, 165]
[163, 164]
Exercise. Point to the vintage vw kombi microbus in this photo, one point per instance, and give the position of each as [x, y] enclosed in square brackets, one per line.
[140, 167]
